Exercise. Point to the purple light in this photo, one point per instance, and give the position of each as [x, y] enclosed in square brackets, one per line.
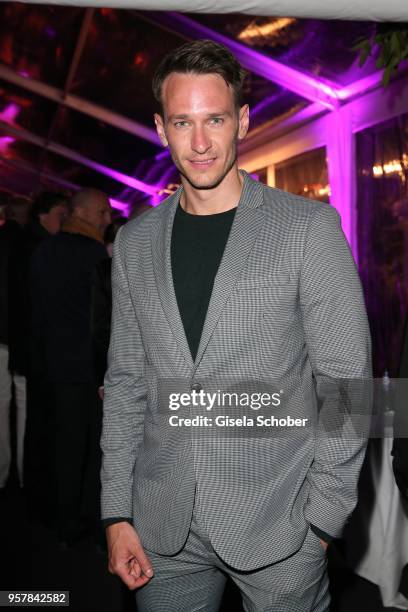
[156, 199]
[9, 114]
[130, 181]
[118, 205]
[317, 90]
[360, 86]
[305, 85]
[162, 155]
[341, 165]
[265, 103]
[50, 32]
[5, 141]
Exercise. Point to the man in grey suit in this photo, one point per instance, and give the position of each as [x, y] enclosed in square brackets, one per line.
[229, 285]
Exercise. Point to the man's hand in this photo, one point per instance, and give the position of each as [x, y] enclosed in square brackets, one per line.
[127, 558]
[101, 392]
[324, 544]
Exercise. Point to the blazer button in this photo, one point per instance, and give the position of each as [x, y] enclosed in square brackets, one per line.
[196, 387]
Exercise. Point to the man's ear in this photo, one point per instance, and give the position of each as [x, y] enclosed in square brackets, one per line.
[243, 121]
[158, 119]
[79, 212]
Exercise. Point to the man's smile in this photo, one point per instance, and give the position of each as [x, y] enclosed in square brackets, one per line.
[202, 163]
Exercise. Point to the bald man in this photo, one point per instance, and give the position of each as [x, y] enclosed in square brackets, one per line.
[92, 207]
[61, 273]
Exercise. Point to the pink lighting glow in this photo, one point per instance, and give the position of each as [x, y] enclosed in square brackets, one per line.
[341, 166]
[124, 178]
[9, 114]
[120, 177]
[338, 106]
[5, 141]
[162, 155]
[306, 85]
[360, 86]
[321, 91]
[118, 205]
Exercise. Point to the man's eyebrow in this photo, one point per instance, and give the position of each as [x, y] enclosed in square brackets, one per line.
[186, 116]
[183, 116]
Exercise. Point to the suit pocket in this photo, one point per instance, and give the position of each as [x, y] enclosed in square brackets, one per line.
[314, 542]
[271, 280]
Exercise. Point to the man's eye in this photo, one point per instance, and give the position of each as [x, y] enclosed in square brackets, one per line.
[217, 120]
[181, 123]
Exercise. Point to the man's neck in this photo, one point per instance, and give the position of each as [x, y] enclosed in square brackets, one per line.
[212, 201]
[78, 225]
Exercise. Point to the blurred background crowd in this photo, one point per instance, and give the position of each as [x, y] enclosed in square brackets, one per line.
[55, 304]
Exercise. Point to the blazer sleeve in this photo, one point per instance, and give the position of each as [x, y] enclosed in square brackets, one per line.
[339, 347]
[124, 398]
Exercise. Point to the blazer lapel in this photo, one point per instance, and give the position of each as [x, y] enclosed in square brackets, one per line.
[244, 230]
[161, 244]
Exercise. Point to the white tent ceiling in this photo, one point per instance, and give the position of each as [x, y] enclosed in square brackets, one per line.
[367, 10]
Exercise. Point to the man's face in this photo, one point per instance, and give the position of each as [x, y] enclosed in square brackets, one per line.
[98, 213]
[201, 126]
[20, 213]
[53, 220]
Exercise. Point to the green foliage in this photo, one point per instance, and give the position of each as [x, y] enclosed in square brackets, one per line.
[389, 45]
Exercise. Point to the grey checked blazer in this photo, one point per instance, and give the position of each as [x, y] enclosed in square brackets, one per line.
[286, 309]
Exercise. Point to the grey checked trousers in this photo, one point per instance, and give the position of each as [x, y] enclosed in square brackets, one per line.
[193, 580]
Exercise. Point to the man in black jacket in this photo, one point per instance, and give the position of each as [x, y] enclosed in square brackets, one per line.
[61, 273]
[47, 214]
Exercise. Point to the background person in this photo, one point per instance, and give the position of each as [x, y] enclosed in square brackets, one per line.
[61, 274]
[47, 213]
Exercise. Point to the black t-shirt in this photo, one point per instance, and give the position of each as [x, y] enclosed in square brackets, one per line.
[197, 246]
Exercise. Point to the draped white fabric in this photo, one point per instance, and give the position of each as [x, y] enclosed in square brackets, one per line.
[366, 10]
[382, 522]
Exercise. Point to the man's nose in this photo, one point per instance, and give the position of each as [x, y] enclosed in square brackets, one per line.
[200, 141]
